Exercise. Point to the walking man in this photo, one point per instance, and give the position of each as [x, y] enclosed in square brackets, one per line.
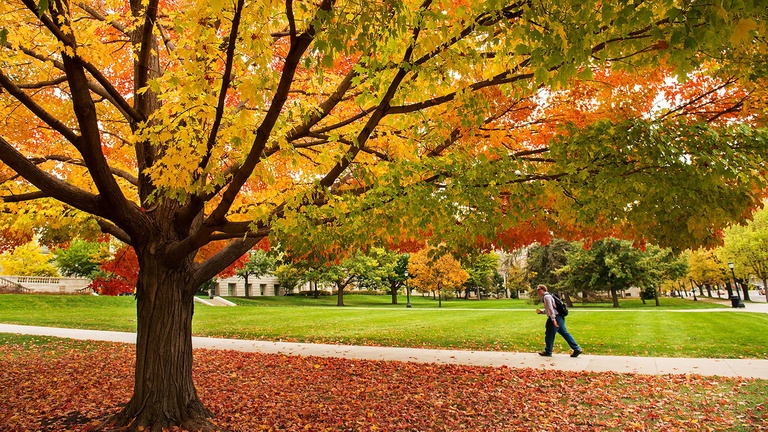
[555, 324]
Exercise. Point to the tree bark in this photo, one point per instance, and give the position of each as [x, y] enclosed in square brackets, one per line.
[340, 295]
[164, 394]
[745, 290]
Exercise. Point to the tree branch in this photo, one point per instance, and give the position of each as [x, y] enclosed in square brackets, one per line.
[49, 185]
[113, 230]
[299, 45]
[29, 196]
[99, 16]
[213, 265]
[226, 79]
[125, 175]
[37, 110]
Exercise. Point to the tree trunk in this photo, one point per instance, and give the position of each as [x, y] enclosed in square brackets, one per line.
[615, 296]
[393, 289]
[340, 295]
[656, 295]
[164, 394]
[745, 290]
[765, 289]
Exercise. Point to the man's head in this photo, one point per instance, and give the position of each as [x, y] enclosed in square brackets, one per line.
[541, 289]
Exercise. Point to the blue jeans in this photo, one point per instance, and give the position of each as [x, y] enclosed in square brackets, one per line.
[549, 336]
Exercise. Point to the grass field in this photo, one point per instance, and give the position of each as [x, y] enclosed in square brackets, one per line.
[506, 325]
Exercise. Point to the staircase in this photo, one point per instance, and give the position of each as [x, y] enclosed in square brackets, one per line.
[215, 301]
[7, 286]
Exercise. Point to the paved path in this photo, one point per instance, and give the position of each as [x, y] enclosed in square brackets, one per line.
[752, 368]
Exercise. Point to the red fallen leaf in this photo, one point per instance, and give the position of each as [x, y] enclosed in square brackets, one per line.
[56, 386]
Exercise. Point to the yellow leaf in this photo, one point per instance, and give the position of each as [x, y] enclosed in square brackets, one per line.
[741, 33]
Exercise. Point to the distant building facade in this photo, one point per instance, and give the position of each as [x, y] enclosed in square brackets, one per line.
[232, 287]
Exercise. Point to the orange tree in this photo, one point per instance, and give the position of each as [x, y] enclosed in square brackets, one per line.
[170, 125]
[432, 270]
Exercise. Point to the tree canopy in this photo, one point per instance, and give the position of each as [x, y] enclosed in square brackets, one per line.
[173, 125]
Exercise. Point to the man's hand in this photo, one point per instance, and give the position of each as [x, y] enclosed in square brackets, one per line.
[555, 323]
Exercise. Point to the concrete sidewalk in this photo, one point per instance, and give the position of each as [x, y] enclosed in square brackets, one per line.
[752, 368]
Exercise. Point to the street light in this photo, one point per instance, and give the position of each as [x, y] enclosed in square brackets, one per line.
[738, 295]
[407, 290]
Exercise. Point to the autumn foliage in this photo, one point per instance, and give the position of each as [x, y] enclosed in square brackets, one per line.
[333, 125]
[119, 274]
[433, 270]
[55, 387]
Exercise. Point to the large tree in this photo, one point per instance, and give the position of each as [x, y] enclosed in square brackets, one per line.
[176, 124]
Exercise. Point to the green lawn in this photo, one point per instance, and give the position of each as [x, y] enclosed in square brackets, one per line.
[508, 325]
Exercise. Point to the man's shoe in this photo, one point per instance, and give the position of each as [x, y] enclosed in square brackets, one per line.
[545, 354]
[576, 353]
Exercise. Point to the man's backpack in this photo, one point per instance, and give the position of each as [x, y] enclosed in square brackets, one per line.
[560, 305]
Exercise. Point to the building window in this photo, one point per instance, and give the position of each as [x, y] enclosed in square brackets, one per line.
[231, 289]
[263, 288]
[277, 289]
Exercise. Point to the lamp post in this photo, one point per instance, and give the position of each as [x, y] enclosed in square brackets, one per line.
[738, 295]
[407, 290]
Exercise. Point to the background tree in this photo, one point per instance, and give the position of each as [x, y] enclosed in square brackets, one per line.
[356, 269]
[258, 264]
[389, 273]
[661, 264]
[706, 268]
[431, 271]
[607, 265]
[747, 247]
[27, 260]
[344, 123]
[81, 258]
[397, 278]
[289, 276]
[514, 272]
[544, 261]
[119, 274]
[482, 270]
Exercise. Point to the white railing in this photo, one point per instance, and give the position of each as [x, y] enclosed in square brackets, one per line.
[47, 284]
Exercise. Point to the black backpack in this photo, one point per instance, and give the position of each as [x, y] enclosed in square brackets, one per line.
[560, 305]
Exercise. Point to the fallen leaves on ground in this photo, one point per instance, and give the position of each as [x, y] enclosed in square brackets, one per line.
[61, 385]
